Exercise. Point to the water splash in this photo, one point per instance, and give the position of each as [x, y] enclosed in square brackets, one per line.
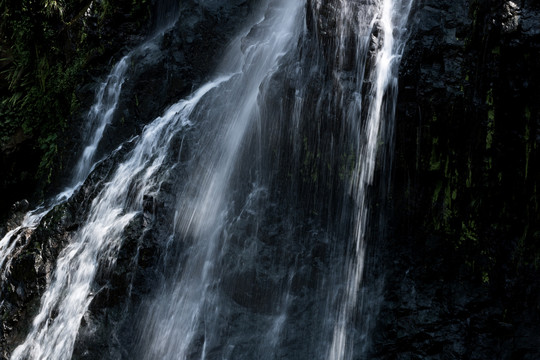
[17, 237]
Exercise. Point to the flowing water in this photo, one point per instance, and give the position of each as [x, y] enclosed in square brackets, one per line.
[100, 115]
[272, 164]
[106, 102]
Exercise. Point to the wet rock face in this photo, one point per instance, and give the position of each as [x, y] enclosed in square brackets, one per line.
[462, 280]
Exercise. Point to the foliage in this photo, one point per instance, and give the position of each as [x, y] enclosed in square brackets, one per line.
[39, 72]
[45, 47]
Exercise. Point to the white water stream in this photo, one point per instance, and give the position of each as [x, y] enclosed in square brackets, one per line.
[68, 296]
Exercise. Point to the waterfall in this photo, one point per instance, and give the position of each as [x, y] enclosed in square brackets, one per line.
[262, 177]
[69, 293]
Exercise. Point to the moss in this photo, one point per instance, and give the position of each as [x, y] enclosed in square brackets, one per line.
[490, 129]
[490, 119]
[489, 97]
[468, 182]
[469, 232]
[436, 193]
[485, 277]
[527, 113]
[491, 116]
[488, 163]
[447, 200]
[447, 168]
[434, 161]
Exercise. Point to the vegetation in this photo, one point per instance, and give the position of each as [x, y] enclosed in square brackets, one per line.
[46, 49]
[40, 69]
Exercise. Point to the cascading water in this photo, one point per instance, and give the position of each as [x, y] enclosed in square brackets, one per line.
[173, 321]
[98, 117]
[69, 293]
[272, 163]
[19, 234]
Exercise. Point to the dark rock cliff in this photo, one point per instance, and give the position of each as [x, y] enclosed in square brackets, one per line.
[463, 273]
